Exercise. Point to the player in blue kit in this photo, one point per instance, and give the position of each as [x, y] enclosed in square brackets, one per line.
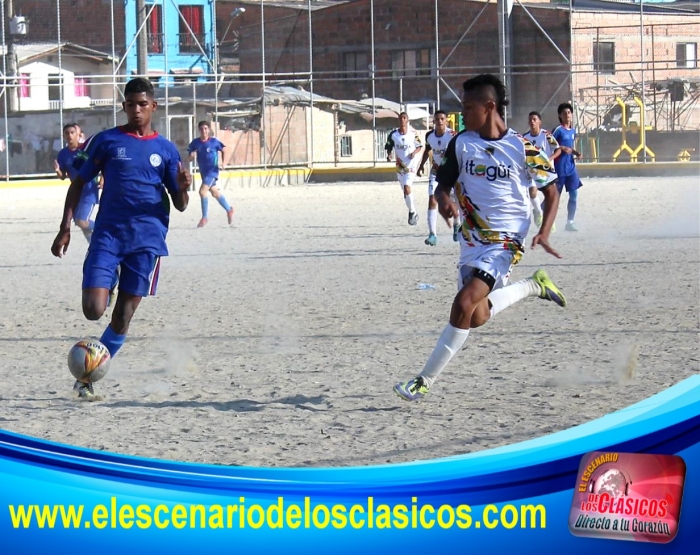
[565, 163]
[206, 149]
[65, 168]
[140, 169]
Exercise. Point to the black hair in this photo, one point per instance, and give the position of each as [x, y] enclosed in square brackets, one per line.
[488, 87]
[534, 113]
[403, 114]
[69, 125]
[204, 123]
[563, 106]
[139, 85]
[438, 112]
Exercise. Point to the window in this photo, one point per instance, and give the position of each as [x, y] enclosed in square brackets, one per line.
[345, 145]
[81, 87]
[604, 57]
[54, 87]
[355, 65]
[191, 28]
[412, 63]
[154, 30]
[687, 54]
[24, 86]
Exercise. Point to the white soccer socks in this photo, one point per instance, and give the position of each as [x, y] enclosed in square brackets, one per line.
[501, 299]
[432, 221]
[451, 341]
[408, 199]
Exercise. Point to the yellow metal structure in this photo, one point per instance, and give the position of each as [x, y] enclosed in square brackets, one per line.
[624, 147]
[642, 134]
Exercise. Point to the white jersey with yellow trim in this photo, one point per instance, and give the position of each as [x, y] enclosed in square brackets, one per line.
[544, 141]
[491, 179]
[404, 145]
[438, 144]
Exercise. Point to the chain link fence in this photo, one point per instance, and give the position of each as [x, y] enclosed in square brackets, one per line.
[302, 83]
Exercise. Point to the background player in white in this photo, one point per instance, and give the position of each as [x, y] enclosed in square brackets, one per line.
[545, 141]
[407, 146]
[436, 141]
[492, 167]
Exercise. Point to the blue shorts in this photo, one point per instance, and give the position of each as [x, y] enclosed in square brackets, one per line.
[571, 182]
[83, 210]
[210, 179]
[138, 276]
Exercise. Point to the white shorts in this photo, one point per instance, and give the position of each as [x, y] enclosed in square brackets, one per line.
[495, 260]
[432, 183]
[406, 179]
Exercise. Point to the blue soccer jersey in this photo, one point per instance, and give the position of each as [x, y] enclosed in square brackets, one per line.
[135, 210]
[207, 155]
[66, 163]
[564, 163]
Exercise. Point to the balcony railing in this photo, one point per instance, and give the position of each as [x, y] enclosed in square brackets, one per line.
[188, 43]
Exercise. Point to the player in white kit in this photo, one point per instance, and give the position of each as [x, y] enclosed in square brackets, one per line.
[491, 167]
[545, 141]
[436, 141]
[407, 146]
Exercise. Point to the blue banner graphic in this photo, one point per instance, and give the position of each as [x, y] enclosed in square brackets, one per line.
[514, 499]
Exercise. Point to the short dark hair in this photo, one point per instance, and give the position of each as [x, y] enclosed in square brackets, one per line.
[534, 113]
[139, 85]
[488, 82]
[438, 112]
[403, 114]
[204, 123]
[69, 125]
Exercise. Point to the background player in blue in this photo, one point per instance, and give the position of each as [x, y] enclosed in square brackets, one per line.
[206, 149]
[140, 170]
[65, 168]
[565, 164]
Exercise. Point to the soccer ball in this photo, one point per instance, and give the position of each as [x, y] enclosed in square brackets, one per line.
[88, 361]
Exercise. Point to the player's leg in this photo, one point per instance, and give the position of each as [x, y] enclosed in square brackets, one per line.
[536, 209]
[406, 180]
[432, 212]
[222, 201]
[457, 221]
[572, 186]
[484, 274]
[204, 198]
[81, 217]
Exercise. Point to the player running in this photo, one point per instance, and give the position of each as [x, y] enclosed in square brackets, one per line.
[565, 164]
[140, 170]
[65, 167]
[209, 152]
[407, 145]
[546, 142]
[491, 166]
[436, 141]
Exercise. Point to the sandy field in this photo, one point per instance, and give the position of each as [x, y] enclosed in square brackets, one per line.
[276, 342]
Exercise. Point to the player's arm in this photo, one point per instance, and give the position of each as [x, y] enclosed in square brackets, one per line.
[447, 176]
[553, 146]
[192, 156]
[541, 172]
[418, 145]
[221, 157]
[62, 240]
[389, 146]
[424, 158]
[177, 181]
[60, 172]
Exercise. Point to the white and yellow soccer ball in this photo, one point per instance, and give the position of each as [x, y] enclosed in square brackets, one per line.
[88, 361]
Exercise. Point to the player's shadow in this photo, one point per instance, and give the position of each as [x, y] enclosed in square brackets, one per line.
[240, 405]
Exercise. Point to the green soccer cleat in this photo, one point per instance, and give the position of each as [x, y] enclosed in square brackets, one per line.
[84, 390]
[412, 390]
[550, 291]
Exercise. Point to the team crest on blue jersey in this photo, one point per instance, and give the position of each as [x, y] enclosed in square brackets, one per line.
[155, 160]
[121, 153]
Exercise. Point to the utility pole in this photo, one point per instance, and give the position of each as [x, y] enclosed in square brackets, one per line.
[141, 41]
[12, 69]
